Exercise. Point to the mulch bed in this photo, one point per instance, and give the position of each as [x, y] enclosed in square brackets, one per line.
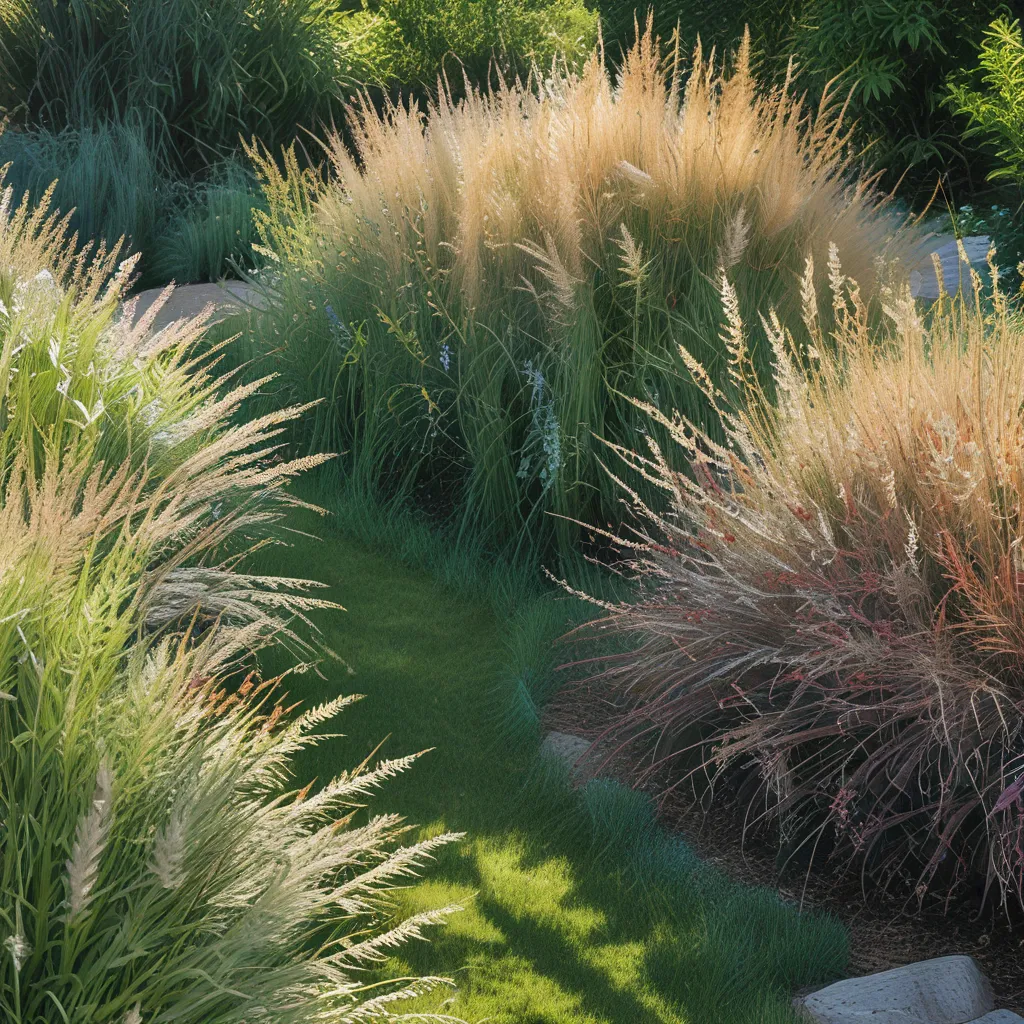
[885, 931]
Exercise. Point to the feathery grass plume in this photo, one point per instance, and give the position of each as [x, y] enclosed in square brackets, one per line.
[199, 886]
[830, 623]
[18, 949]
[497, 231]
[90, 839]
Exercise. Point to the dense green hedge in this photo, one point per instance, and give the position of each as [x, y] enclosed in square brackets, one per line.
[139, 106]
[892, 60]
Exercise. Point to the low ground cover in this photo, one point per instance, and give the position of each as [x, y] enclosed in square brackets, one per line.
[577, 908]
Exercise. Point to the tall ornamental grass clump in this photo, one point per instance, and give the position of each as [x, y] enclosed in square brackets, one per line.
[156, 861]
[480, 291]
[830, 626]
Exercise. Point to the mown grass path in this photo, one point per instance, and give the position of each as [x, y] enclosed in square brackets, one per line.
[552, 932]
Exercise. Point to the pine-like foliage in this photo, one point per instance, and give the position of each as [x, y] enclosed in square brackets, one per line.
[992, 97]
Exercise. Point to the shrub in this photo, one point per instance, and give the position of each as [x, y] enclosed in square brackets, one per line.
[208, 231]
[107, 177]
[717, 25]
[993, 98]
[829, 623]
[194, 75]
[477, 293]
[114, 187]
[893, 59]
[153, 864]
[416, 41]
[896, 59]
[135, 107]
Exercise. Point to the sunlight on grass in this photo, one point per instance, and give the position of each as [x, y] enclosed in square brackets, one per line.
[541, 898]
[559, 925]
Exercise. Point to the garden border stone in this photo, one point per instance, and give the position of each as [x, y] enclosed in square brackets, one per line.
[945, 990]
[189, 300]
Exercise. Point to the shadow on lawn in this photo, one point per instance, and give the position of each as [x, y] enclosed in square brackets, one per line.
[556, 928]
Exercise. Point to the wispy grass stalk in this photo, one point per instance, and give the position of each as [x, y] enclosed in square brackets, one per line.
[481, 290]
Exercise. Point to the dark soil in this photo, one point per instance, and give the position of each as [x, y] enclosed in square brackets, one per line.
[886, 930]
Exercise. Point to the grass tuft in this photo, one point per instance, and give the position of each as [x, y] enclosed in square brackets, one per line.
[829, 626]
[480, 291]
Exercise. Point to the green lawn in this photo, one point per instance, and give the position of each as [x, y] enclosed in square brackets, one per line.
[560, 923]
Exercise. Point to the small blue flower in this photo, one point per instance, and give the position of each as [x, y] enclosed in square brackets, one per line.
[446, 356]
[545, 433]
[332, 316]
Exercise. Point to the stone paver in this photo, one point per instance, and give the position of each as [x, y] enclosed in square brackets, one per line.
[190, 300]
[564, 746]
[946, 990]
[955, 273]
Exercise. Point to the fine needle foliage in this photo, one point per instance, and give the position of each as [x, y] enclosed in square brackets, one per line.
[155, 862]
[992, 97]
[830, 625]
[481, 289]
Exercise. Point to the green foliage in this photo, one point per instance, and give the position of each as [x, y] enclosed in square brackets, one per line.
[107, 174]
[109, 180]
[715, 24]
[422, 39]
[194, 75]
[992, 98]
[896, 58]
[893, 59]
[578, 906]
[1003, 225]
[207, 231]
[137, 109]
[153, 864]
[481, 294]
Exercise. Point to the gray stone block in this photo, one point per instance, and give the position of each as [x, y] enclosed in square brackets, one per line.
[947, 990]
[1000, 1017]
[190, 300]
[564, 746]
[956, 274]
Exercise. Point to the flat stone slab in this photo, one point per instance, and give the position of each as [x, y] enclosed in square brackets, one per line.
[1000, 1017]
[946, 990]
[189, 300]
[956, 274]
[564, 746]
